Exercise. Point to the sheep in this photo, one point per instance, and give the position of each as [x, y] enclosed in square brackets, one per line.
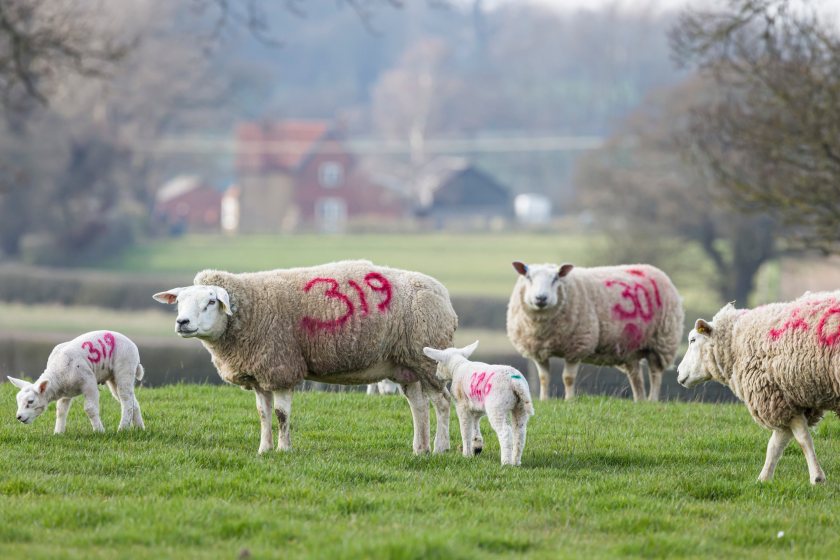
[347, 322]
[611, 315]
[384, 387]
[76, 368]
[781, 360]
[494, 390]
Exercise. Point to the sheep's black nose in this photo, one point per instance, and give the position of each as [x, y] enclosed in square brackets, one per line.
[541, 300]
[20, 418]
[182, 322]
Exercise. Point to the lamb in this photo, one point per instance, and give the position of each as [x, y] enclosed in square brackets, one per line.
[384, 387]
[479, 389]
[76, 368]
[611, 315]
[348, 322]
[781, 360]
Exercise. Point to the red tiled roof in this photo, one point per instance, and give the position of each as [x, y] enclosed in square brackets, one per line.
[278, 146]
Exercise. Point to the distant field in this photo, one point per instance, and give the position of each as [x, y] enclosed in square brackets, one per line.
[468, 264]
[600, 478]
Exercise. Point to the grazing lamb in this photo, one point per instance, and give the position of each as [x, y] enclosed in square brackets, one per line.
[782, 360]
[480, 389]
[349, 322]
[610, 315]
[384, 387]
[76, 368]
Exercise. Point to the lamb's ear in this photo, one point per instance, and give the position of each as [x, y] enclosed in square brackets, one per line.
[702, 327]
[42, 386]
[467, 351]
[565, 269]
[224, 299]
[169, 296]
[19, 383]
[521, 268]
[436, 355]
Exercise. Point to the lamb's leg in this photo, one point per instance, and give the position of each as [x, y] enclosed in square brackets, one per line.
[62, 407]
[440, 400]
[420, 414]
[570, 370]
[91, 393]
[799, 427]
[465, 419]
[138, 418]
[283, 411]
[372, 388]
[264, 409]
[478, 440]
[127, 400]
[113, 388]
[775, 447]
[544, 370]
[520, 423]
[498, 419]
[637, 382]
[655, 376]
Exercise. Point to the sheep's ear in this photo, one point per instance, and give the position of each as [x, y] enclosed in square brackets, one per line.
[19, 383]
[702, 327]
[436, 355]
[565, 269]
[42, 386]
[467, 351]
[223, 298]
[169, 296]
[521, 268]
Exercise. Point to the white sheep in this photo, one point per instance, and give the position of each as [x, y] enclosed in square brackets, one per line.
[76, 368]
[611, 315]
[384, 387]
[781, 360]
[498, 391]
[349, 322]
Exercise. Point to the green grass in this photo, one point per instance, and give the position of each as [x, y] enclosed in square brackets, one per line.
[600, 477]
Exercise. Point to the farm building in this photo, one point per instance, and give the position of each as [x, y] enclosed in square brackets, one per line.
[186, 203]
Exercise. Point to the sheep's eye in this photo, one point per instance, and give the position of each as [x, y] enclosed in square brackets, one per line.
[30, 401]
[690, 340]
[211, 302]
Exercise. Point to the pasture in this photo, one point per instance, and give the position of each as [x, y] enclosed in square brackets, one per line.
[600, 477]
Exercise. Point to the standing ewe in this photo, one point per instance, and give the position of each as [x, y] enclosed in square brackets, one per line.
[480, 389]
[781, 360]
[610, 315]
[349, 322]
[76, 368]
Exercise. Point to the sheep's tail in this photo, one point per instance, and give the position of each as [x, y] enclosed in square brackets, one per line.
[138, 374]
[523, 393]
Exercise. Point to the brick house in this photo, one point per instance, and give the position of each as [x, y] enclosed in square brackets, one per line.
[186, 203]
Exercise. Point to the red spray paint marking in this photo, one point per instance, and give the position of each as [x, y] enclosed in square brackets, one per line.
[795, 322]
[480, 385]
[107, 344]
[633, 336]
[824, 309]
[637, 304]
[828, 339]
[373, 280]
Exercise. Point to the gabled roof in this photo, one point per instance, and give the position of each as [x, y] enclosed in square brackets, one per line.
[177, 186]
[277, 146]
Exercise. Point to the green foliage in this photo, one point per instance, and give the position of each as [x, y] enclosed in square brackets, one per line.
[600, 477]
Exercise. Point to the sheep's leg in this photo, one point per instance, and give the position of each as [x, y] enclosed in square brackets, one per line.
[62, 407]
[637, 383]
[570, 370]
[113, 388]
[440, 400]
[498, 419]
[264, 409]
[127, 400]
[372, 388]
[775, 447]
[478, 441]
[283, 411]
[544, 370]
[799, 427]
[138, 418]
[520, 423]
[655, 377]
[91, 393]
[465, 419]
[419, 405]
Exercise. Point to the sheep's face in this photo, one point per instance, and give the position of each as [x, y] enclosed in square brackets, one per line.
[543, 284]
[31, 399]
[692, 370]
[202, 310]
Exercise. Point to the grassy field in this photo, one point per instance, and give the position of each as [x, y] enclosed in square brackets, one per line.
[472, 264]
[600, 477]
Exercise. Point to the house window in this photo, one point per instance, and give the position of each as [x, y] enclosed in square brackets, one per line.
[330, 174]
[331, 213]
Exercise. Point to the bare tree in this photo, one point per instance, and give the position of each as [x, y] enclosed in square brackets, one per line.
[772, 136]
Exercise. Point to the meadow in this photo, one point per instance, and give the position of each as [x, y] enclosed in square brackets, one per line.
[600, 477]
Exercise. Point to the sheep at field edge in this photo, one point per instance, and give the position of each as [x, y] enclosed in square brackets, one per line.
[498, 391]
[384, 387]
[76, 368]
[781, 360]
[610, 315]
[349, 322]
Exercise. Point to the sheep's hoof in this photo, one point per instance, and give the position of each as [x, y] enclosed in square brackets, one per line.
[477, 450]
[819, 480]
